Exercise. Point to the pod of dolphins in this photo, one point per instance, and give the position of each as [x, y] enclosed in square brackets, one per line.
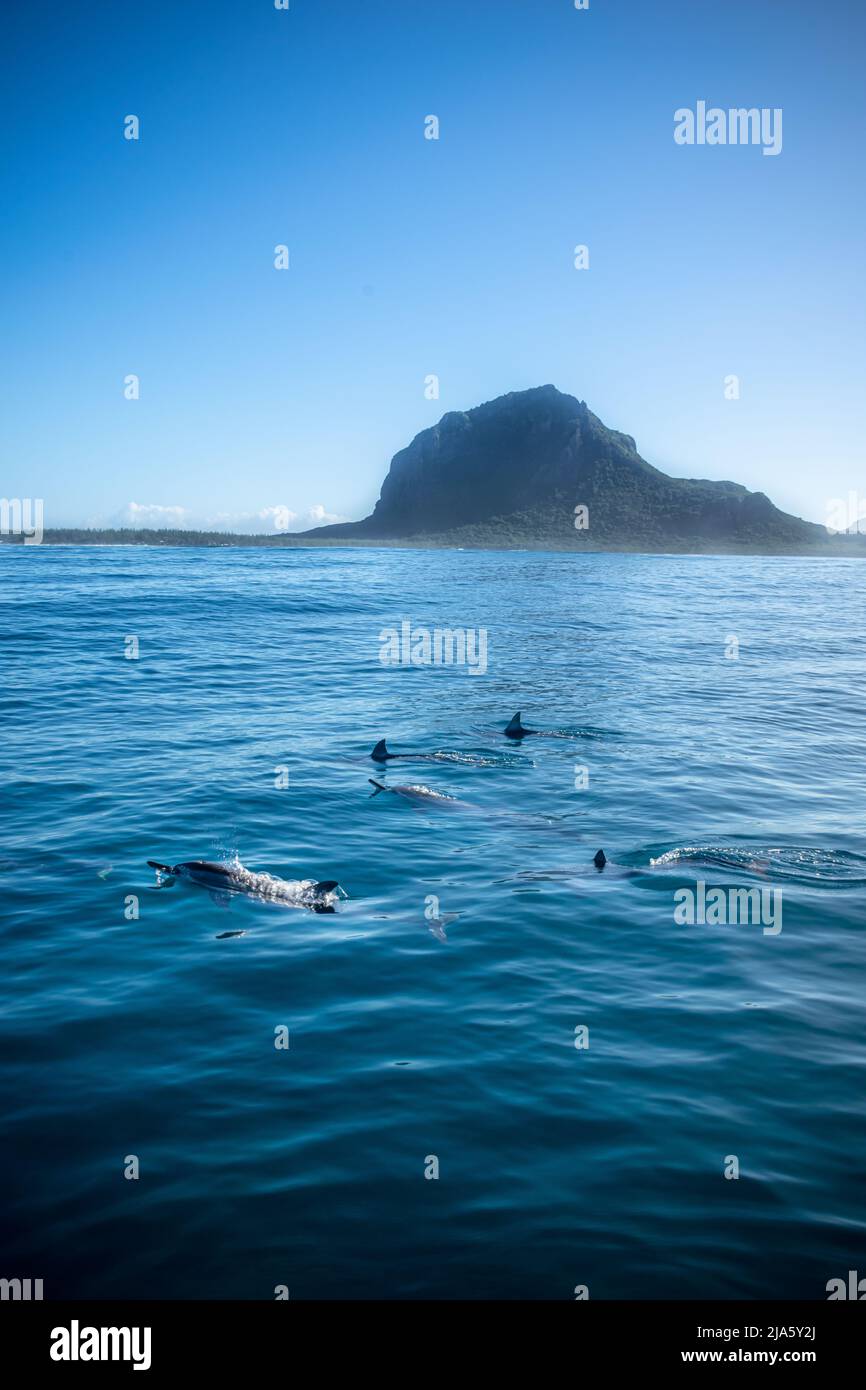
[224, 880]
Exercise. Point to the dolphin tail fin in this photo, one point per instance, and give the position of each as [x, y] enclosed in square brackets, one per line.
[321, 892]
[163, 868]
[380, 786]
[380, 752]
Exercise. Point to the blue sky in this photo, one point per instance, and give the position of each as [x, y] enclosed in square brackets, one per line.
[408, 257]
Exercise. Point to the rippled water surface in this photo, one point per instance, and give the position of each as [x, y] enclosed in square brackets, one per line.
[414, 1036]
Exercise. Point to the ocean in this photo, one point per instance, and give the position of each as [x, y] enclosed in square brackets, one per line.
[493, 1070]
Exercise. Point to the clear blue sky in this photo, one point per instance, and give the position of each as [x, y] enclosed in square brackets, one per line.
[262, 388]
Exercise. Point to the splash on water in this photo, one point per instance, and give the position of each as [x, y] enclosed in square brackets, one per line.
[798, 864]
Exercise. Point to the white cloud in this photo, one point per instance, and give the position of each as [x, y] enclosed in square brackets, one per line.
[265, 521]
[320, 517]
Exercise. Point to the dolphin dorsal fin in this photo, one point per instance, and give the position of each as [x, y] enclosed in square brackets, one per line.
[380, 752]
[515, 723]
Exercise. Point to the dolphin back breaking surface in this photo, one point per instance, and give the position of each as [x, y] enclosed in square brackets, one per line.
[417, 794]
[319, 895]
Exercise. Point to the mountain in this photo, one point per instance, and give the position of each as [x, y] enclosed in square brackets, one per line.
[511, 473]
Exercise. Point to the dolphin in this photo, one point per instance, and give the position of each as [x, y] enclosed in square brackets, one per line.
[380, 754]
[426, 798]
[417, 795]
[467, 758]
[222, 879]
[515, 728]
[601, 863]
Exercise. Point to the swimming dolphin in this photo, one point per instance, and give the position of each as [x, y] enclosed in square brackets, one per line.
[418, 795]
[380, 754]
[222, 879]
[514, 729]
[611, 870]
[469, 758]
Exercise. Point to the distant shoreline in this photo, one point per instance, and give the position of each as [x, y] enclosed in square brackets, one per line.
[837, 547]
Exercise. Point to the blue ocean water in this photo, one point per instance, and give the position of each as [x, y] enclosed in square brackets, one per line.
[412, 1039]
